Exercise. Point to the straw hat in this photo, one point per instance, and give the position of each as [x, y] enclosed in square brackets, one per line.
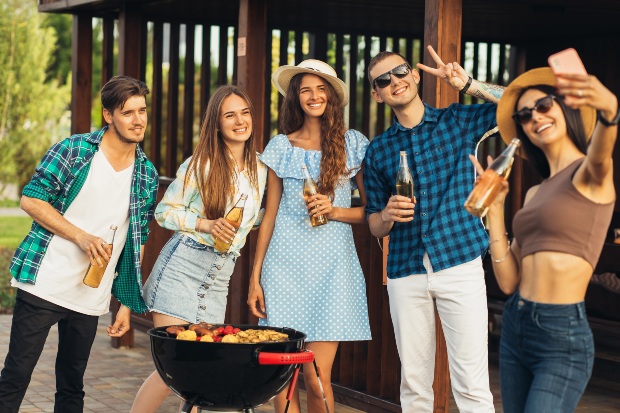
[508, 102]
[283, 75]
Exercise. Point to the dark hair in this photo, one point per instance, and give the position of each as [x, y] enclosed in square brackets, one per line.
[379, 57]
[119, 89]
[217, 188]
[333, 145]
[574, 129]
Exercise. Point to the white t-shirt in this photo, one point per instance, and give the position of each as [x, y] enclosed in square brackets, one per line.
[102, 201]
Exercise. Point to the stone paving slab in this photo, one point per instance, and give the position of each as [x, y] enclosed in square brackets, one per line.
[114, 376]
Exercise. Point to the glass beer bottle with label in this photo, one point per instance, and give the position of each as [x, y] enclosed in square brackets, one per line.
[94, 273]
[404, 180]
[488, 186]
[309, 190]
[234, 218]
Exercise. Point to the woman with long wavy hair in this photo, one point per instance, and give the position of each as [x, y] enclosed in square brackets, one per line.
[189, 281]
[304, 277]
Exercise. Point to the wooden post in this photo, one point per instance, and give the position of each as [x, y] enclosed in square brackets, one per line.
[251, 71]
[130, 55]
[82, 69]
[442, 31]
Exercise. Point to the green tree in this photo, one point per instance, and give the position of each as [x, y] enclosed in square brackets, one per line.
[33, 110]
[60, 63]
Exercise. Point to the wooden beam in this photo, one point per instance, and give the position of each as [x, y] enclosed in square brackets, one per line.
[443, 23]
[130, 41]
[82, 69]
[251, 61]
[130, 53]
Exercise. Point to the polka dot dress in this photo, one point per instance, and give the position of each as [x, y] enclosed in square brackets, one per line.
[311, 276]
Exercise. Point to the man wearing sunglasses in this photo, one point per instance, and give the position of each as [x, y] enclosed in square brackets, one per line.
[436, 248]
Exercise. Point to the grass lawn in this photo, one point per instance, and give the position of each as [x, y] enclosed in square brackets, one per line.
[13, 230]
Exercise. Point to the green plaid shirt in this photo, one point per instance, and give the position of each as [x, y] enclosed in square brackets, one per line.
[57, 180]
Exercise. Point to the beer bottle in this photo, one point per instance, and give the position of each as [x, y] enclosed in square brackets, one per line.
[309, 190]
[488, 186]
[94, 273]
[234, 218]
[404, 180]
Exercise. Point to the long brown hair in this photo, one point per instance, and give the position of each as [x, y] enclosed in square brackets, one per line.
[217, 187]
[333, 146]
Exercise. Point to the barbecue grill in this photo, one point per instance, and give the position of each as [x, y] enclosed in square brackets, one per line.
[228, 376]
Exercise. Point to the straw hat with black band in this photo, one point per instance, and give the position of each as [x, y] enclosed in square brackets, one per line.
[283, 75]
[508, 102]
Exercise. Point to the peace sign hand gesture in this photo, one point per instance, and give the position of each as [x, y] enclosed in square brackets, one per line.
[452, 73]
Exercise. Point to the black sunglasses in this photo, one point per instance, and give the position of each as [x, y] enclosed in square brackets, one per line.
[384, 80]
[542, 105]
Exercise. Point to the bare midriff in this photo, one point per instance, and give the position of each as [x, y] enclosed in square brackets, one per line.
[554, 278]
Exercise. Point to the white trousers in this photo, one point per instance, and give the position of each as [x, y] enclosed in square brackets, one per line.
[460, 296]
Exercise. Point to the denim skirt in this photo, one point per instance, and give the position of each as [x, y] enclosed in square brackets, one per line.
[189, 281]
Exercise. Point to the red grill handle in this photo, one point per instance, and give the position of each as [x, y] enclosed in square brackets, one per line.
[305, 356]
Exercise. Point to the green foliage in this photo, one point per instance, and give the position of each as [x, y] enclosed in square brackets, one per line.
[13, 230]
[60, 61]
[32, 108]
[7, 293]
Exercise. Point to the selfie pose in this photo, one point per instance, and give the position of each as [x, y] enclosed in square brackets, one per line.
[546, 350]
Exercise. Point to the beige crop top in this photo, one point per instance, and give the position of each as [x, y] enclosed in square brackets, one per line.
[559, 218]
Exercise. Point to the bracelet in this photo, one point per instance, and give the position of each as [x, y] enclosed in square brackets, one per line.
[467, 85]
[606, 122]
[505, 255]
[499, 239]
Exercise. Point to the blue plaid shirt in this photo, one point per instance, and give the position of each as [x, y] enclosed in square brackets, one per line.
[443, 176]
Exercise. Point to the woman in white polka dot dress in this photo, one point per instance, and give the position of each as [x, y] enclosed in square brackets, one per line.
[309, 278]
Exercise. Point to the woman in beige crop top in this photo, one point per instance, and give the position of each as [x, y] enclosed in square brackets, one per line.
[547, 270]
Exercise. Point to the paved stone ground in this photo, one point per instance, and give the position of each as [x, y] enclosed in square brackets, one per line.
[114, 376]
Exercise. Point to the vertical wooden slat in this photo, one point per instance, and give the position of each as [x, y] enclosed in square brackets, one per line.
[172, 109]
[284, 41]
[82, 69]
[381, 107]
[353, 78]
[205, 69]
[320, 45]
[222, 76]
[155, 120]
[188, 92]
[339, 55]
[299, 41]
[489, 69]
[130, 40]
[366, 89]
[267, 80]
[443, 31]
[502, 64]
[107, 53]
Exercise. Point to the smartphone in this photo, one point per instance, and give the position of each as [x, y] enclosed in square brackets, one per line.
[567, 62]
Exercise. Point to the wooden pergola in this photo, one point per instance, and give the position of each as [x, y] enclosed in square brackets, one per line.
[501, 38]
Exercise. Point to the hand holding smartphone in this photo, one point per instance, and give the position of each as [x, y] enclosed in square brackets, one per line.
[566, 62]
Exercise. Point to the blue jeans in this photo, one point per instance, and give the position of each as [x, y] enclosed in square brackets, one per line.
[546, 356]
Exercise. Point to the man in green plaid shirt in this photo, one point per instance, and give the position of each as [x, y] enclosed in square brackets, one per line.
[84, 186]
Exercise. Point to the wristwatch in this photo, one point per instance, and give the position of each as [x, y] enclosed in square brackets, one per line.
[606, 122]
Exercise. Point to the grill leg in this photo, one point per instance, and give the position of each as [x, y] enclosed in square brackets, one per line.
[187, 407]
